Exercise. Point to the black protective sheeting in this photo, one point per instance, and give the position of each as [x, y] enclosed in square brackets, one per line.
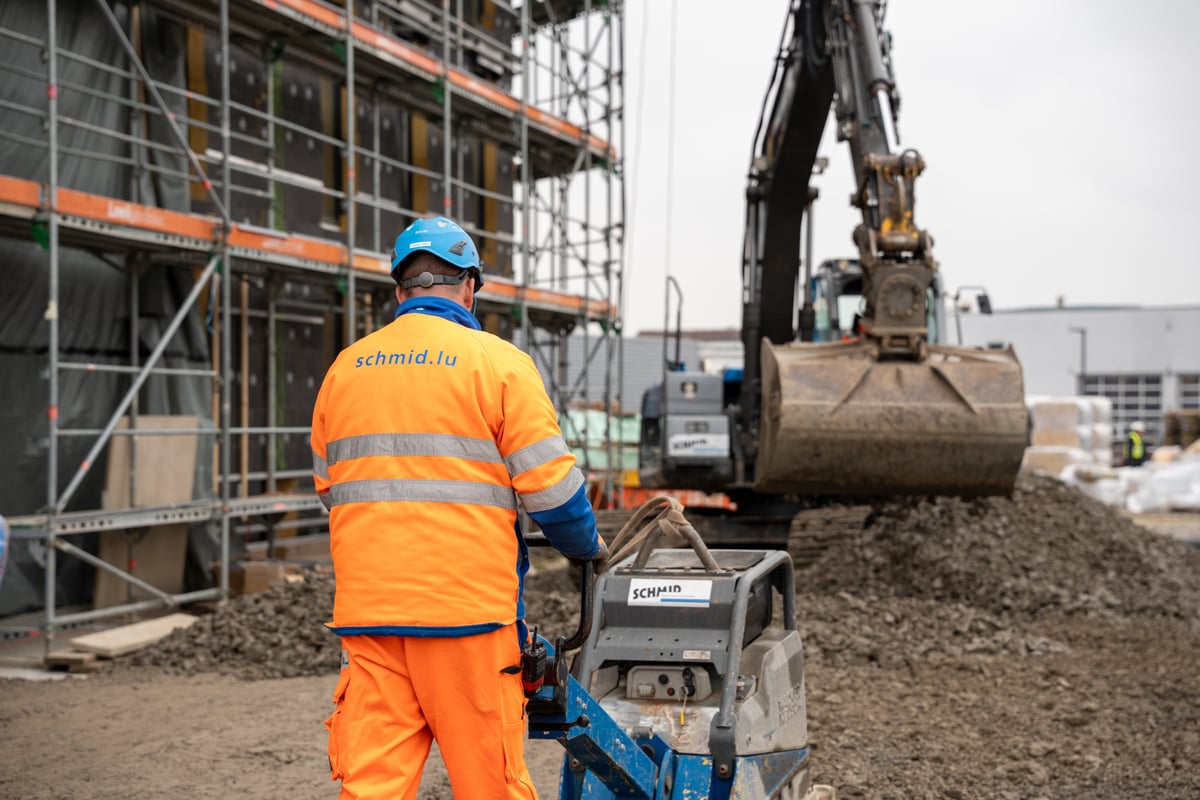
[94, 307]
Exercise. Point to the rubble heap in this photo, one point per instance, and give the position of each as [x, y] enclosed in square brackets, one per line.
[1047, 548]
[925, 577]
[274, 634]
[279, 633]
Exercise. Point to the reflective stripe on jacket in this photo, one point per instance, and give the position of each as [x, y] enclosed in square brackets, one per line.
[426, 435]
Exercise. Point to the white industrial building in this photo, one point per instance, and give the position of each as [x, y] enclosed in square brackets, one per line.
[1146, 360]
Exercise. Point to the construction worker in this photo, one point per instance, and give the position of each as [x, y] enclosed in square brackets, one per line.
[1135, 445]
[427, 435]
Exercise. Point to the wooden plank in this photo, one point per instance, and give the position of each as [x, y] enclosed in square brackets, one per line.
[147, 470]
[165, 464]
[130, 638]
[69, 658]
[74, 661]
[160, 557]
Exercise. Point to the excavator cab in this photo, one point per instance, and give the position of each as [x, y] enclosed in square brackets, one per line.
[838, 303]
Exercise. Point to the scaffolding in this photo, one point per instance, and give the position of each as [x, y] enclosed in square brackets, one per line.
[228, 176]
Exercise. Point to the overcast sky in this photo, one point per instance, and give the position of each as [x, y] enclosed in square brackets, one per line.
[1060, 141]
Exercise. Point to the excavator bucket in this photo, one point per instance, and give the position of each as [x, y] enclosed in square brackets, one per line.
[838, 420]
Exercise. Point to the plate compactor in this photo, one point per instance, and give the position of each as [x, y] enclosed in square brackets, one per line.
[687, 682]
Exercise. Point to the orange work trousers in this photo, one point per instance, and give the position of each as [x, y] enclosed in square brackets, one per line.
[397, 694]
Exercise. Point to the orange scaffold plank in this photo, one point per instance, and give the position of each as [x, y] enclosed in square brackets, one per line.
[18, 193]
[393, 47]
[134, 215]
[22, 193]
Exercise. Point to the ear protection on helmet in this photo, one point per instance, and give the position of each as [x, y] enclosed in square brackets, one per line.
[427, 279]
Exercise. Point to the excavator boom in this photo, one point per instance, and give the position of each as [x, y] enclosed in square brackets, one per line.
[889, 413]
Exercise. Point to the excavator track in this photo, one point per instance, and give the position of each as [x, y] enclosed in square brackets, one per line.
[815, 530]
[810, 534]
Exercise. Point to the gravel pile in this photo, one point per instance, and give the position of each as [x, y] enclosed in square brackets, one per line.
[925, 578]
[279, 633]
[1048, 548]
[849, 630]
[273, 634]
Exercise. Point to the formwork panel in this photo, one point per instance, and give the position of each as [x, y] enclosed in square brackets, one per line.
[465, 162]
[248, 83]
[380, 172]
[394, 181]
[305, 100]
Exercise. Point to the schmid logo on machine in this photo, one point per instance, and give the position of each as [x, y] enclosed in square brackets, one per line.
[651, 592]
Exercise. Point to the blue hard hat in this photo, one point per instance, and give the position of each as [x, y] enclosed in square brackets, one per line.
[444, 239]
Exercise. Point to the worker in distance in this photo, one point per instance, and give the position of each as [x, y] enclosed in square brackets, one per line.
[427, 435]
[1135, 444]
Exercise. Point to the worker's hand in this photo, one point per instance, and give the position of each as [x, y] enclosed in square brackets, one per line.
[597, 561]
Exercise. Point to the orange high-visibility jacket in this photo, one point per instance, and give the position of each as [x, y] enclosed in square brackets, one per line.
[425, 435]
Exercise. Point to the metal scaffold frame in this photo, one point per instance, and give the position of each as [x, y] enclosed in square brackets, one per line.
[501, 90]
[574, 221]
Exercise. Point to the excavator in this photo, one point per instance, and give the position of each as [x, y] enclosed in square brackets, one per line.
[887, 410]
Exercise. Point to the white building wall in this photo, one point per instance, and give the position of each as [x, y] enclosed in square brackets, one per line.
[1122, 341]
[641, 367]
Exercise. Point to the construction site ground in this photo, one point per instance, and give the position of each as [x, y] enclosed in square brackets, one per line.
[1042, 646]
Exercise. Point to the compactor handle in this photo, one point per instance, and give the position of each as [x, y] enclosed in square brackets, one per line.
[587, 575]
[587, 583]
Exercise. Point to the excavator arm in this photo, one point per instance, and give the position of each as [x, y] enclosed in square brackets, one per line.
[833, 52]
[896, 255]
[786, 144]
[890, 412]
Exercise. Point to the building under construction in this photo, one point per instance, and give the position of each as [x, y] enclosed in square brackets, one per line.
[197, 200]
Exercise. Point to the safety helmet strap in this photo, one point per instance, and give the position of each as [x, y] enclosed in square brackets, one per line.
[427, 279]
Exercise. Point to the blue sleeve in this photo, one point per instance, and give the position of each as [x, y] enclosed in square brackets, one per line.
[571, 527]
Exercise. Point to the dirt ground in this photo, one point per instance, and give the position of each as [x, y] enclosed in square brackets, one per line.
[1034, 647]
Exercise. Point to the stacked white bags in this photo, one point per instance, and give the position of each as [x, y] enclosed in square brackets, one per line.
[1068, 431]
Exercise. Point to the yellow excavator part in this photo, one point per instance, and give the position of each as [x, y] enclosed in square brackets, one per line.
[838, 420]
